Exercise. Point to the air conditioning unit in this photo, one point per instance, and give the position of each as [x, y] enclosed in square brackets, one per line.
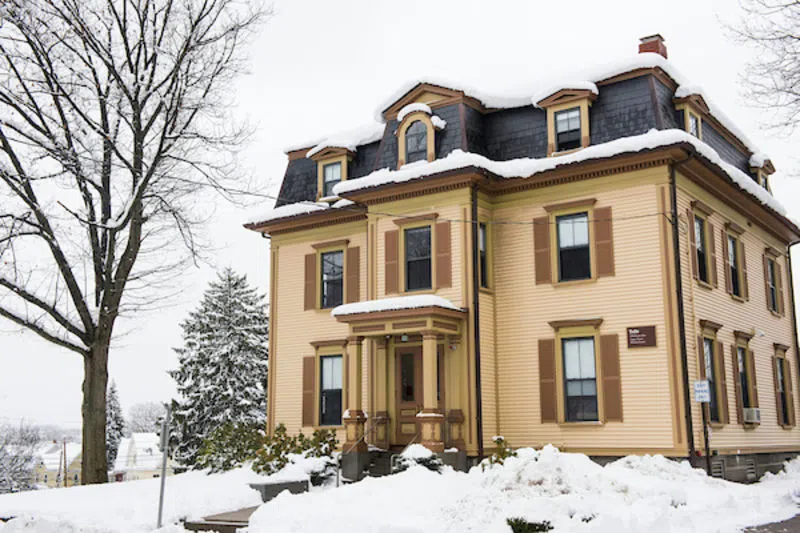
[752, 415]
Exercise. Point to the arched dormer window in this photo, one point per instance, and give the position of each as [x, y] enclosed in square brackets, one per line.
[416, 142]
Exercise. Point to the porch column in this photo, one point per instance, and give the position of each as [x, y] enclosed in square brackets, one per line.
[431, 420]
[354, 418]
[381, 414]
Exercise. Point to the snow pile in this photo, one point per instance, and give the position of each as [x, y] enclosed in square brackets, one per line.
[417, 451]
[393, 304]
[349, 139]
[528, 167]
[131, 506]
[553, 89]
[411, 108]
[299, 468]
[634, 494]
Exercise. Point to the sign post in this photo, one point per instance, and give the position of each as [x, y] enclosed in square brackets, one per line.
[702, 395]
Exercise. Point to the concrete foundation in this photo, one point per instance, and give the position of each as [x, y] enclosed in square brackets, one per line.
[354, 464]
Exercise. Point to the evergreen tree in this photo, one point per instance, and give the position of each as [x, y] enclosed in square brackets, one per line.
[115, 425]
[222, 372]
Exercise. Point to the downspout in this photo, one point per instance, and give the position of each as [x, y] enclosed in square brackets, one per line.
[476, 320]
[676, 244]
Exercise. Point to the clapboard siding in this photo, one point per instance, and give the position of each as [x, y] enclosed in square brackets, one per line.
[750, 316]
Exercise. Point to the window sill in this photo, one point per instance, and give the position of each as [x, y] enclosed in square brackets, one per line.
[775, 313]
[565, 152]
[785, 426]
[751, 426]
[705, 285]
[417, 291]
[335, 428]
[576, 282]
[588, 423]
[486, 290]
[716, 425]
[736, 298]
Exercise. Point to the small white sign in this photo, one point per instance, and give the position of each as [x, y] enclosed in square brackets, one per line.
[702, 392]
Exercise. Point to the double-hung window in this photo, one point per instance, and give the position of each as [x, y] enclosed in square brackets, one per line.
[711, 376]
[483, 266]
[332, 272]
[694, 125]
[744, 376]
[331, 175]
[780, 370]
[330, 393]
[417, 142]
[568, 129]
[580, 380]
[574, 261]
[418, 258]
[772, 285]
[700, 245]
[734, 266]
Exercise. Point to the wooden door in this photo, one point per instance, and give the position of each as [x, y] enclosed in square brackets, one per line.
[408, 388]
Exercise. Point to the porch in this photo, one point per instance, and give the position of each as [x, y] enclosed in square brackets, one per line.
[418, 367]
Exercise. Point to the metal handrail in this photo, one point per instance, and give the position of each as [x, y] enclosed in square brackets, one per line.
[396, 455]
[370, 421]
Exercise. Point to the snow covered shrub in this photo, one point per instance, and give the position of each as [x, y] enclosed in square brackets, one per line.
[520, 525]
[417, 454]
[230, 446]
[499, 457]
[282, 450]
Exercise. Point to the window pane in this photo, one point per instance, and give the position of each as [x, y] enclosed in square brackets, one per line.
[566, 234]
[332, 278]
[416, 142]
[418, 243]
[418, 258]
[587, 358]
[694, 126]
[568, 120]
[332, 174]
[708, 356]
[407, 377]
[572, 361]
[482, 237]
[330, 397]
[700, 233]
[573, 230]
[732, 250]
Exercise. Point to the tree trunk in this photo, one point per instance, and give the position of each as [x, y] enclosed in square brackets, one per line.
[94, 468]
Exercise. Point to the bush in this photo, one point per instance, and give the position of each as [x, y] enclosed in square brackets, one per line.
[416, 454]
[230, 446]
[503, 452]
[520, 525]
[282, 449]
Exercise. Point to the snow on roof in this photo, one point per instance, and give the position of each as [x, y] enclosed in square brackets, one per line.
[411, 108]
[553, 89]
[261, 215]
[349, 139]
[528, 167]
[52, 457]
[393, 304]
[758, 160]
[140, 451]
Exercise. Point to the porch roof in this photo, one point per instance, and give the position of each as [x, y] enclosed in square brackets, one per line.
[417, 301]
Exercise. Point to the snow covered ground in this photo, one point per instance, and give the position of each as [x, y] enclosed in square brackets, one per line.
[634, 494]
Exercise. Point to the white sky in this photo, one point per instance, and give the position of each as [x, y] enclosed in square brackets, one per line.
[322, 66]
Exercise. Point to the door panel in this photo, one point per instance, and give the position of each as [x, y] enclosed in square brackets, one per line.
[408, 387]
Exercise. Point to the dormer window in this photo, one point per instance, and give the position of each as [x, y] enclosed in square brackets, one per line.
[332, 174]
[416, 142]
[568, 129]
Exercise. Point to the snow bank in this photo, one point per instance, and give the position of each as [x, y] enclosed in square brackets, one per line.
[131, 506]
[392, 304]
[528, 167]
[634, 494]
[349, 139]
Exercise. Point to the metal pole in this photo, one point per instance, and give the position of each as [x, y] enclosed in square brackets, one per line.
[705, 437]
[165, 454]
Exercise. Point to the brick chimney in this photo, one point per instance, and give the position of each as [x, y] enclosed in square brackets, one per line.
[653, 44]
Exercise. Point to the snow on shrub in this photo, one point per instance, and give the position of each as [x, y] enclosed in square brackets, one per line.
[291, 457]
[417, 455]
[230, 446]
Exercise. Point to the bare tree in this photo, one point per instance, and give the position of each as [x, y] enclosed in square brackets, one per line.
[114, 115]
[772, 79]
[17, 448]
[145, 417]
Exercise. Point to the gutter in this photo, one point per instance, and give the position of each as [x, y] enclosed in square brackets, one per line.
[476, 320]
[679, 293]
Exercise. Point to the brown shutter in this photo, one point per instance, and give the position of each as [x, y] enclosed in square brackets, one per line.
[309, 375]
[702, 355]
[604, 241]
[726, 264]
[779, 289]
[310, 300]
[737, 384]
[352, 278]
[789, 391]
[444, 256]
[724, 412]
[778, 406]
[547, 380]
[712, 253]
[765, 260]
[751, 374]
[541, 249]
[391, 249]
[610, 372]
[743, 262]
[692, 242]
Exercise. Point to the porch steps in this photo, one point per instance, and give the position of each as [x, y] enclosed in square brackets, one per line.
[222, 523]
[380, 463]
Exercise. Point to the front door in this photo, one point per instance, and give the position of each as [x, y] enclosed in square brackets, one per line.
[408, 387]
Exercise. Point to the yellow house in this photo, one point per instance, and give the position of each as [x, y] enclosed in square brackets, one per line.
[50, 461]
[561, 267]
[140, 457]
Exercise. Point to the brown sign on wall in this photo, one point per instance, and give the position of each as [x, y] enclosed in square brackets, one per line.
[641, 336]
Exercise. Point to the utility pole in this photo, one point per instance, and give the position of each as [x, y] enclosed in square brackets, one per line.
[64, 455]
[164, 455]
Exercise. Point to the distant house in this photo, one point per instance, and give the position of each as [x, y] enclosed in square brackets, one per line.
[49, 470]
[139, 457]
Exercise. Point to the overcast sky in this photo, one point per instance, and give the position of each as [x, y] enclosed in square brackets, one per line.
[321, 66]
